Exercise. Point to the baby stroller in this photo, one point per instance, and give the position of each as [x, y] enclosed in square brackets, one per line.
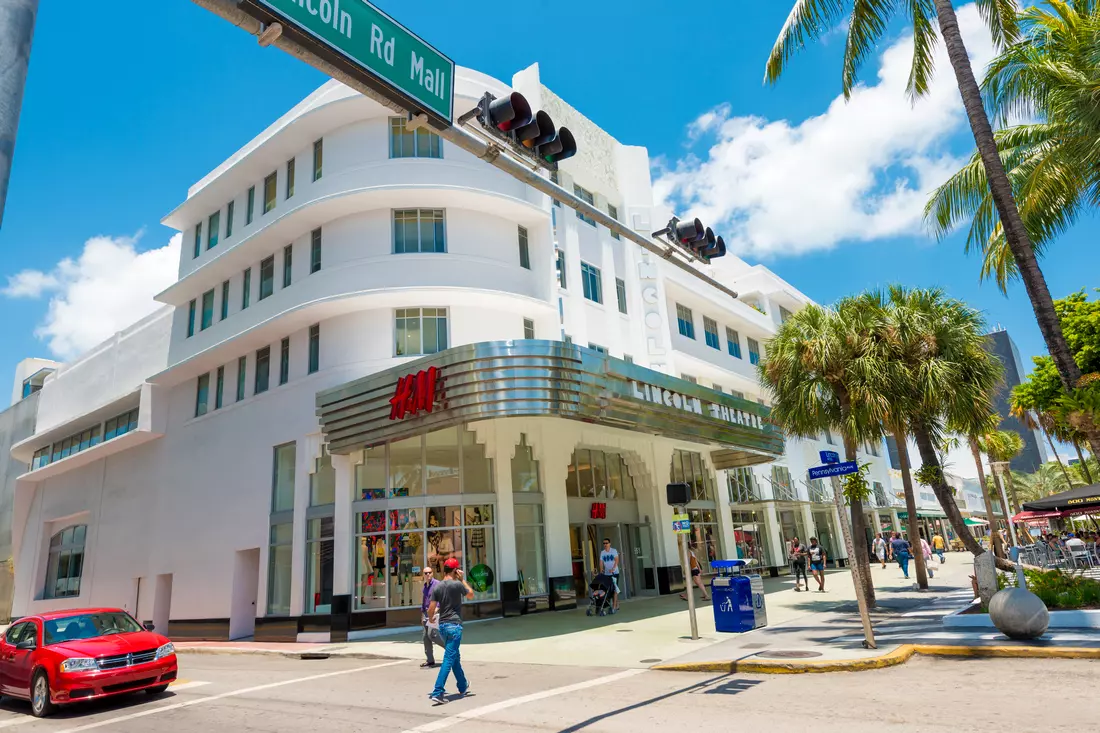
[603, 592]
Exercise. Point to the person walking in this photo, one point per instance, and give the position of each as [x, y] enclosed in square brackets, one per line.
[696, 573]
[817, 556]
[926, 551]
[431, 631]
[939, 546]
[879, 548]
[609, 561]
[798, 564]
[446, 609]
[899, 548]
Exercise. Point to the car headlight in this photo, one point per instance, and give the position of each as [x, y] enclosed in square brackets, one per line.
[78, 664]
[166, 650]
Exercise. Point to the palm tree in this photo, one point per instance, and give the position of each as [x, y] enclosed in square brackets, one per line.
[1002, 446]
[1045, 422]
[1045, 481]
[868, 20]
[1049, 72]
[974, 441]
[821, 374]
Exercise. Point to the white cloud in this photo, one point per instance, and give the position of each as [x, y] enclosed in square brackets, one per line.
[108, 287]
[862, 170]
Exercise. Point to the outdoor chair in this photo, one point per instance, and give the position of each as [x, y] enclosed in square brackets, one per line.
[1080, 556]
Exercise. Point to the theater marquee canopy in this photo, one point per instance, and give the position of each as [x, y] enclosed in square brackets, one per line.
[542, 379]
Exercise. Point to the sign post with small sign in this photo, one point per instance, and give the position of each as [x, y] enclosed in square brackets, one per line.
[681, 524]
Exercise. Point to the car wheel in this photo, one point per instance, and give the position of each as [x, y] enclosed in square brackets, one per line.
[156, 690]
[41, 705]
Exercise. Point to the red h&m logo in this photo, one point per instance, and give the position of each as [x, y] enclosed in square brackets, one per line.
[414, 393]
[599, 511]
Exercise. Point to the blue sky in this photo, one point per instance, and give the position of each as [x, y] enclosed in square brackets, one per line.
[128, 107]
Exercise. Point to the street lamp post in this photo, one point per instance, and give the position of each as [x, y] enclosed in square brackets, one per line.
[999, 467]
[16, 31]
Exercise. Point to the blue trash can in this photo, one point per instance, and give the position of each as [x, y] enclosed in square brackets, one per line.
[738, 599]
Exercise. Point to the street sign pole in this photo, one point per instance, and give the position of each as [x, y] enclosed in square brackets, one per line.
[690, 590]
[488, 151]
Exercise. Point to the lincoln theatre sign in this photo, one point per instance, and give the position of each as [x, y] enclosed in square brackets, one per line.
[532, 378]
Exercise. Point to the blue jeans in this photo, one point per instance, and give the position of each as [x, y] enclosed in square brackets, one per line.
[452, 640]
[903, 562]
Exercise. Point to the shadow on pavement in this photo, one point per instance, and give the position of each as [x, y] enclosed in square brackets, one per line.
[699, 686]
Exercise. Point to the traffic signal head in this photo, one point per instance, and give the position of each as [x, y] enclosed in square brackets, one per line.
[560, 148]
[688, 231]
[709, 246]
[506, 113]
[539, 131]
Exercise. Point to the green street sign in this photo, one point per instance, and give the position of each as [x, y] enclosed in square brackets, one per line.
[371, 46]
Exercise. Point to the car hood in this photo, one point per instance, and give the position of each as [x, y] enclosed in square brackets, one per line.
[106, 646]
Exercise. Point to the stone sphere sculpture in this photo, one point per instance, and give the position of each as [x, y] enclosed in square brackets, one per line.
[1019, 614]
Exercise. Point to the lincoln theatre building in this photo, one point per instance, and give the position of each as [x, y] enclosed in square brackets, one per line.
[381, 353]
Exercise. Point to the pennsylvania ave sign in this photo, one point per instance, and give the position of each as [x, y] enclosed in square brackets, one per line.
[836, 469]
[402, 66]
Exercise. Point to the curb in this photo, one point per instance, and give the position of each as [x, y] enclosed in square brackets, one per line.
[893, 658]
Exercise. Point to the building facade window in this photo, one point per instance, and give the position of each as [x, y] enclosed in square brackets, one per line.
[586, 196]
[318, 158]
[213, 228]
[750, 531]
[591, 283]
[246, 288]
[420, 331]
[279, 562]
[688, 467]
[270, 184]
[314, 348]
[613, 212]
[65, 564]
[229, 218]
[320, 556]
[524, 252]
[528, 328]
[250, 206]
[288, 264]
[290, 178]
[782, 485]
[743, 488]
[710, 333]
[597, 348]
[72, 445]
[202, 394]
[242, 365]
[685, 324]
[689, 378]
[224, 313]
[120, 424]
[191, 319]
[620, 294]
[419, 230]
[784, 314]
[197, 250]
[559, 267]
[284, 361]
[733, 343]
[219, 387]
[315, 250]
[267, 277]
[207, 310]
[263, 370]
[282, 481]
[754, 351]
[418, 143]
[597, 474]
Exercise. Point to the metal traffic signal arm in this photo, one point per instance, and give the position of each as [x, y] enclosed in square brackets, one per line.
[489, 151]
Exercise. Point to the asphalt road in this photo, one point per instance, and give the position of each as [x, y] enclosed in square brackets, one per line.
[275, 695]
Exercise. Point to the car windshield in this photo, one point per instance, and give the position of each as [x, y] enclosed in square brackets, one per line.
[88, 626]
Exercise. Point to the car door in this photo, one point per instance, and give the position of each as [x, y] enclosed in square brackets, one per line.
[7, 655]
[23, 661]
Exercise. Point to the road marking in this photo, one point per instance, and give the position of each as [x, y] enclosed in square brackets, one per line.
[187, 685]
[453, 720]
[223, 695]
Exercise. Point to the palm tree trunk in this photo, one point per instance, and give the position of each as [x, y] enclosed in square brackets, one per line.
[994, 538]
[862, 559]
[947, 500]
[1057, 457]
[1082, 463]
[911, 508]
[1000, 190]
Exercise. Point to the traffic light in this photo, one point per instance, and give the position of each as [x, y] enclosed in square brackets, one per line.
[531, 134]
[691, 234]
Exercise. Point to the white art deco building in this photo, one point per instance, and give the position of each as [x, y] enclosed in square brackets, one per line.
[381, 352]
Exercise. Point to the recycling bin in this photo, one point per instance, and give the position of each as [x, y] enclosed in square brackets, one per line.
[737, 599]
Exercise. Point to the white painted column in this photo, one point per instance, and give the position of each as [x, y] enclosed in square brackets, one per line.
[807, 522]
[666, 543]
[775, 535]
[342, 526]
[554, 449]
[503, 440]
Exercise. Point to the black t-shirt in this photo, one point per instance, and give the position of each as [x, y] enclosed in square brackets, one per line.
[817, 553]
[899, 546]
[448, 595]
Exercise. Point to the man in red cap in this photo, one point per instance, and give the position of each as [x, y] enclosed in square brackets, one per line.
[446, 610]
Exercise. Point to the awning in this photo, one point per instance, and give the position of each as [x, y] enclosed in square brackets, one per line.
[925, 514]
[972, 522]
[1083, 498]
[1035, 516]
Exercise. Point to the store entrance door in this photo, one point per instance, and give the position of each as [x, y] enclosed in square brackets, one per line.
[586, 543]
[643, 574]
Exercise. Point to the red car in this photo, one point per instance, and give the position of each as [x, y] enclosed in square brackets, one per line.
[69, 656]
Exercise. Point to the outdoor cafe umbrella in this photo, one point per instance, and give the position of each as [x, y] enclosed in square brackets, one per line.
[1083, 499]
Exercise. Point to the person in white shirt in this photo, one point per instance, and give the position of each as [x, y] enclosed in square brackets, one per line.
[609, 561]
[879, 548]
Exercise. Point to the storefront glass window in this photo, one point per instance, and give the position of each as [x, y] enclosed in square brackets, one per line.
[406, 559]
[742, 486]
[319, 565]
[322, 482]
[406, 467]
[370, 569]
[282, 490]
[751, 535]
[525, 469]
[442, 453]
[704, 537]
[278, 563]
[598, 474]
[791, 526]
[782, 487]
[480, 551]
[530, 550]
[477, 469]
[370, 475]
[823, 530]
[688, 467]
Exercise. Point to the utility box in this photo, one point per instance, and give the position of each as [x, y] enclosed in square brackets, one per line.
[738, 599]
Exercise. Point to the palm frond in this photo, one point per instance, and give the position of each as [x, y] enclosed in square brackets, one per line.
[925, 37]
[807, 21]
[866, 24]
